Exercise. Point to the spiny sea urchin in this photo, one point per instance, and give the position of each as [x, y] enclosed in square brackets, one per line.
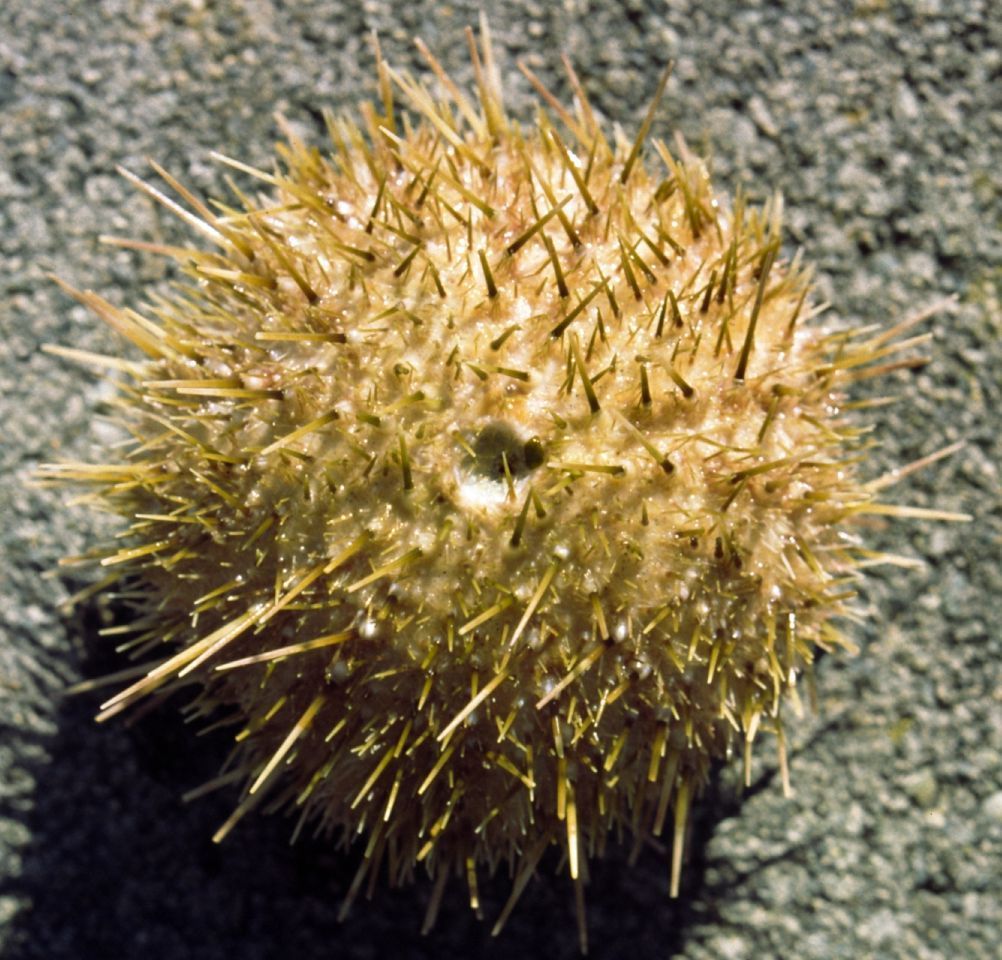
[491, 484]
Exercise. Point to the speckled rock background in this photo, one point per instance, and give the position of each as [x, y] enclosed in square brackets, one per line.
[881, 122]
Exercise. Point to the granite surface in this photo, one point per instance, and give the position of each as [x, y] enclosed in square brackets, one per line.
[880, 121]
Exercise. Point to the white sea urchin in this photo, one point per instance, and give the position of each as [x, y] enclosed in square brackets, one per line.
[490, 481]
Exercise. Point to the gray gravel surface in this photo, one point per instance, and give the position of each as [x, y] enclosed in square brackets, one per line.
[882, 124]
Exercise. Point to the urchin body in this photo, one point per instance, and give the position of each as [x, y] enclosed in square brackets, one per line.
[491, 483]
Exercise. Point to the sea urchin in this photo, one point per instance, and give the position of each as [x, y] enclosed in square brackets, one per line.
[491, 483]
